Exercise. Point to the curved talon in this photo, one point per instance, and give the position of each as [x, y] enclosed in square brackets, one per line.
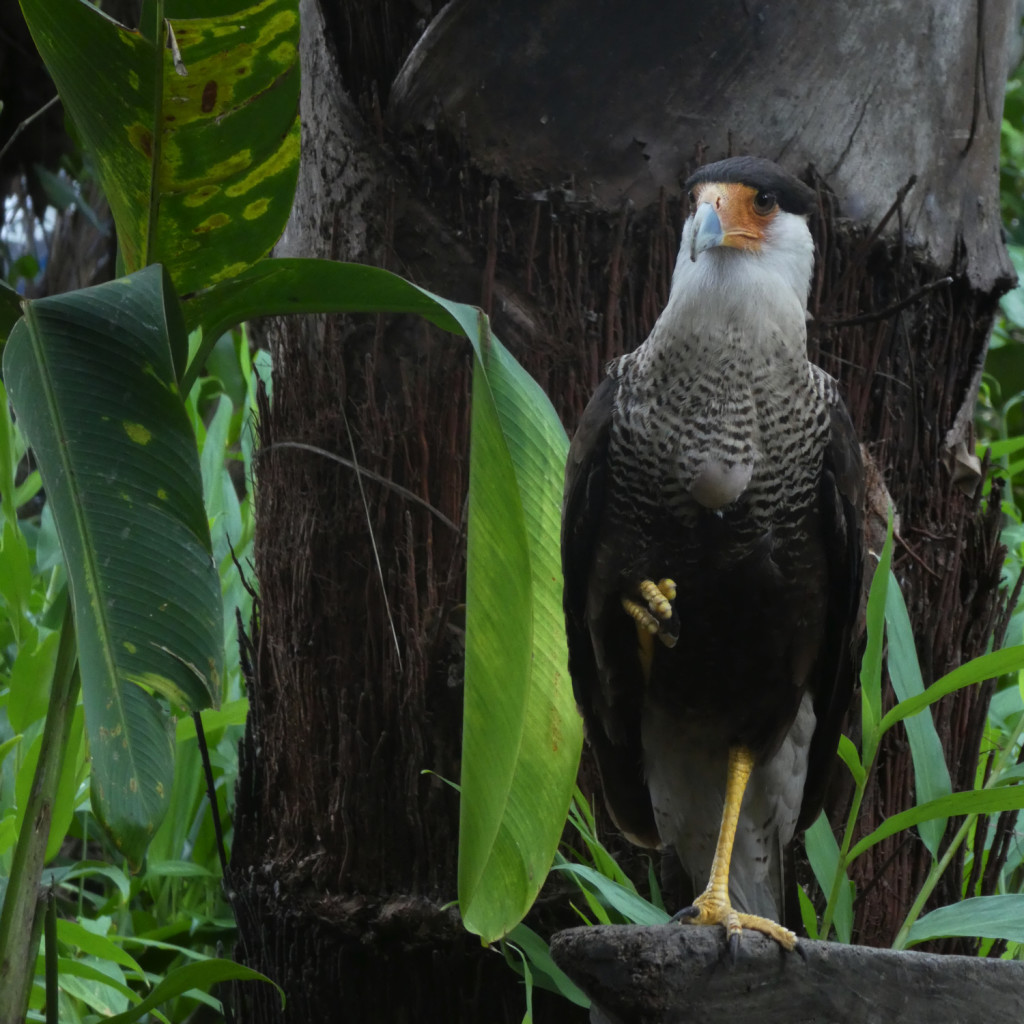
[710, 909]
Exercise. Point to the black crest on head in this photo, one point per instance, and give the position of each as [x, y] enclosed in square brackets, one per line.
[793, 195]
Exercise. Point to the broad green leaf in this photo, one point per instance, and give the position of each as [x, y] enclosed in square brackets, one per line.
[202, 975]
[91, 375]
[823, 856]
[522, 734]
[985, 917]
[97, 982]
[195, 138]
[972, 801]
[931, 776]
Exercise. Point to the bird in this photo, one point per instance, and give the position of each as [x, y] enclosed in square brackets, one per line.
[712, 556]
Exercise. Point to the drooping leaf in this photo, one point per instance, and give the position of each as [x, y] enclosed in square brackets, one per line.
[196, 142]
[546, 972]
[931, 775]
[91, 375]
[522, 734]
[984, 917]
[626, 902]
[202, 975]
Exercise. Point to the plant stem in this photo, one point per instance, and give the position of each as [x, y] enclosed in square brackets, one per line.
[870, 749]
[20, 919]
[939, 868]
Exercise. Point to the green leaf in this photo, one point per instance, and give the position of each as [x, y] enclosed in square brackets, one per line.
[633, 907]
[10, 309]
[985, 917]
[871, 664]
[196, 143]
[823, 856]
[71, 933]
[202, 975]
[931, 776]
[972, 801]
[91, 375]
[977, 670]
[848, 752]
[546, 972]
[522, 734]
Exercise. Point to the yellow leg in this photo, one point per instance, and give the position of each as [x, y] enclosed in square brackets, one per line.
[713, 906]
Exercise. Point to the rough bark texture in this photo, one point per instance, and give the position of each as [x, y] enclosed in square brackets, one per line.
[500, 175]
[675, 974]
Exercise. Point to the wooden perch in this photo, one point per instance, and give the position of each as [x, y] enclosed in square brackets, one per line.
[676, 974]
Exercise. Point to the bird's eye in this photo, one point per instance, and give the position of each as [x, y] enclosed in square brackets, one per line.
[765, 203]
[692, 196]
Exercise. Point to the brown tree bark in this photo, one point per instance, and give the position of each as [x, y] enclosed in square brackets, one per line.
[528, 157]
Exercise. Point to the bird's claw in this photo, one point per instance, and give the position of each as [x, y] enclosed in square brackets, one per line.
[709, 908]
[654, 612]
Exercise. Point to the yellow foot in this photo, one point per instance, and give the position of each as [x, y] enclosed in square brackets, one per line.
[655, 614]
[710, 909]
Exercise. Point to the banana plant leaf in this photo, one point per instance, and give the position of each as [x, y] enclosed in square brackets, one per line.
[195, 134]
[92, 377]
[521, 732]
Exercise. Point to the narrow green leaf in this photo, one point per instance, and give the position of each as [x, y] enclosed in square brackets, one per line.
[808, 915]
[977, 670]
[973, 801]
[850, 757]
[547, 973]
[985, 917]
[91, 375]
[71, 933]
[871, 665]
[931, 776]
[202, 975]
[823, 856]
[633, 907]
[196, 143]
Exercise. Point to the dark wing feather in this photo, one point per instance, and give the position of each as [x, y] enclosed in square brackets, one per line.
[842, 503]
[609, 698]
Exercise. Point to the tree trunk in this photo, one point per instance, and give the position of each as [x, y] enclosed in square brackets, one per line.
[528, 157]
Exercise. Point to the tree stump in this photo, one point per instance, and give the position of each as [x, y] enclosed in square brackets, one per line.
[676, 974]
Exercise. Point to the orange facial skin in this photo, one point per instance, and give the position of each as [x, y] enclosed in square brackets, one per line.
[743, 212]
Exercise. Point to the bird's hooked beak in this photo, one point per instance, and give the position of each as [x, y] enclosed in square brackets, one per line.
[732, 215]
[707, 230]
